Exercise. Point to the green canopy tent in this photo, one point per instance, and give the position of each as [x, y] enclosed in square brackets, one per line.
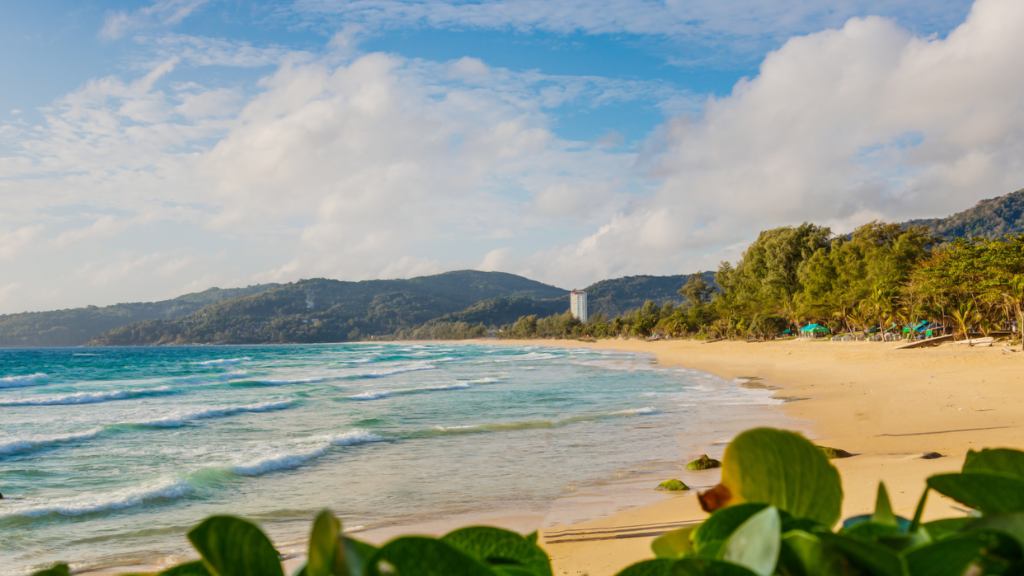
[916, 327]
[813, 329]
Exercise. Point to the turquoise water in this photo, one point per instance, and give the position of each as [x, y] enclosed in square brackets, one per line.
[109, 455]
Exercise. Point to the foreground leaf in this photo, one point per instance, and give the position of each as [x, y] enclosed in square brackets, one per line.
[497, 546]
[707, 567]
[999, 460]
[326, 557]
[785, 470]
[950, 557]
[421, 556]
[755, 544]
[231, 546]
[57, 570]
[658, 567]
[883, 508]
[674, 544]
[190, 569]
[989, 492]
[720, 525]
[804, 554]
[875, 558]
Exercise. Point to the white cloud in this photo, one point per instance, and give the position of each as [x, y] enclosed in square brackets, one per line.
[164, 12]
[15, 242]
[496, 260]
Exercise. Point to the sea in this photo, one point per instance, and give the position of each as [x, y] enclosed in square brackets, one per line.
[109, 455]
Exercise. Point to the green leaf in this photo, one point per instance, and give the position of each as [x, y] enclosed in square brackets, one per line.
[804, 554]
[1001, 460]
[324, 557]
[883, 508]
[532, 537]
[421, 556]
[708, 567]
[916, 522]
[785, 470]
[875, 558]
[57, 570]
[357, 553]
[189, 569]
[755, 544]
[1011, 524]
[870, 530]
[233, 547]
[939, 529]
[497, 546]
[658, 567]
[674, 544]
[720, 525]
[989, 492]
[950, 557]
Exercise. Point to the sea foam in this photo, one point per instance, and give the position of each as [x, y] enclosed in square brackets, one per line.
[223, 362]
[299, 455]
[29, 380]
[30, 443]
[90, 397]
[180, 419]
[93, 503]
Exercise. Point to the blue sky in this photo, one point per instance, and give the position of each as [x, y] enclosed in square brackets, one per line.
[149, 149]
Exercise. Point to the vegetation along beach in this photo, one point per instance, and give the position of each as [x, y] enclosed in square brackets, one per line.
[512, 288]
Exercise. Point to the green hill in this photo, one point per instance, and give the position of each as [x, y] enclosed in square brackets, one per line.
[506, 310]
[321, 310]
[76, 326]
[990, 219]
[614, 297]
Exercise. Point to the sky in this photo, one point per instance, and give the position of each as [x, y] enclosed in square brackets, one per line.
[151, 149]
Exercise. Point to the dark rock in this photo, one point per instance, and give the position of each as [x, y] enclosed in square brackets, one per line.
[715, 498]
[703, 463]
[833, 453]
[931, 456]
[673, 485]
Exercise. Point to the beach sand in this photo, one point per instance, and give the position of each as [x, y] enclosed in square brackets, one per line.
[888, 407]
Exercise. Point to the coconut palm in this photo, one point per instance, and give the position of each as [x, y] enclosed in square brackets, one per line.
[963, 317]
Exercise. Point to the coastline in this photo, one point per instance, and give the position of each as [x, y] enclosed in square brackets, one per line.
[888, 407]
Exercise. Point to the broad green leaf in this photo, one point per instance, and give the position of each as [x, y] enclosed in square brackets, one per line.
[58, 570]
[883, 508]
[233, 547]
[421, 556]
[720, 525]
[755, 544]
[512, 570]
[804, 554]
[875, 558]
[190, 569]
[950, 557]
[916, 523]
[1002, 460]
[357, 553]
[532, 537]
[1011, 523]
[989, 492]
[674, 544]
[497, 546]
[658, 567]
[870, 530]
[785, 470]
[708, 567]
[940, 529]
[906, 542]
[325, 556]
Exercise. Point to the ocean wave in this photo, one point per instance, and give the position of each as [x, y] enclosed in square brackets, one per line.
[30, 443]
[180, 419]
[286, 382]
[90, 397]
[378, 394]
[94, 503]
[391, 372]
[223, 362]
[487, 380]
[19, 381]
[645, 411]
[284, 460]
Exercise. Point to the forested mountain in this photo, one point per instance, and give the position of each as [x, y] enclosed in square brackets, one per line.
[614, 297]
[321, 310]
[989, 219]
[76, 326]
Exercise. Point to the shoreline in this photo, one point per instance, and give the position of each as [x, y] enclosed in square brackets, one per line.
[887, 407]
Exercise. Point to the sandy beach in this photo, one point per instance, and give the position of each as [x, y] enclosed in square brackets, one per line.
[888, 407]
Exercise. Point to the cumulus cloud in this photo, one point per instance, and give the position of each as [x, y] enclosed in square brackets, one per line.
[838, 127]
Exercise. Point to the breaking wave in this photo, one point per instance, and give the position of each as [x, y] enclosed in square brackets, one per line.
[223, 362]
[90, 397]
[30, 443]
[284, 460]
[19, 381]
[378, 394]
[180, 419]
[94, 503]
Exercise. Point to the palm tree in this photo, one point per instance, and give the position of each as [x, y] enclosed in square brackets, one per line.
[963, 316]
[1013, 295]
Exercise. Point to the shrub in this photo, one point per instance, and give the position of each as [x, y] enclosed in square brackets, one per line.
[773, 514]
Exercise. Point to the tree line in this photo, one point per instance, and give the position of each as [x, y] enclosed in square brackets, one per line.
[882, 277]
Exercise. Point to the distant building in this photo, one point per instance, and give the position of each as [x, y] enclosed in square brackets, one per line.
[578, 304]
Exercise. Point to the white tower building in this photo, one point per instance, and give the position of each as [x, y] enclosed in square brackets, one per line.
[578, 304]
